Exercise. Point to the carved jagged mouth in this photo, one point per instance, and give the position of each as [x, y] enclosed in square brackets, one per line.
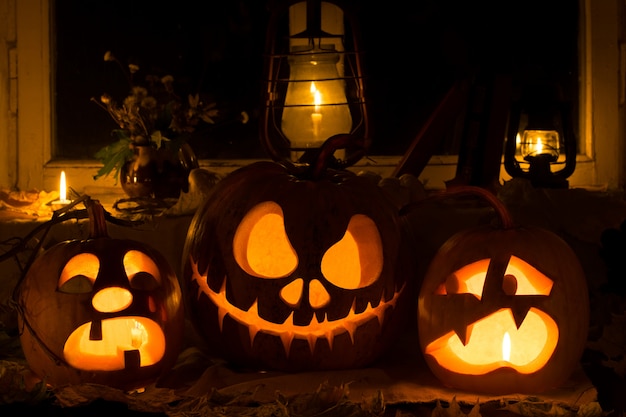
[288, 331]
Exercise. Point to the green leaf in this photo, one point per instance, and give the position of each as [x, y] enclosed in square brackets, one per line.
[113, 156]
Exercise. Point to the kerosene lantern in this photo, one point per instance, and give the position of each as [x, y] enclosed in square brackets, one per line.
[540, 143]
[314, 81]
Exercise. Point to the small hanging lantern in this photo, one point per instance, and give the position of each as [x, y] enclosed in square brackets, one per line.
[540, 142]
[314, 81]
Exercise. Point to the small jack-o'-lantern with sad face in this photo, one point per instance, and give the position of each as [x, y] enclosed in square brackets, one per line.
[100, 310]
[294, 272]
[503, 309]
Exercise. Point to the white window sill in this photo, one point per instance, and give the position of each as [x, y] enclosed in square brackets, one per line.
[439, 170]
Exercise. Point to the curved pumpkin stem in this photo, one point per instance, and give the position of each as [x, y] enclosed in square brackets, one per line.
[470, 190]
[97, 219]
[501, 211]
[326, 152]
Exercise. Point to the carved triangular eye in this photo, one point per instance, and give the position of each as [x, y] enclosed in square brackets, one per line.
[261, 246]
[520, 278]
[356, 261]
[529, 280]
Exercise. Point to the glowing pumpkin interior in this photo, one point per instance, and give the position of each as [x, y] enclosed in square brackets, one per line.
[495, 341]
[113, 343]
[262, 248]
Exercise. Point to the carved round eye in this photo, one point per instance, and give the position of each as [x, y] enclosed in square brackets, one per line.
[261, 246]
[356, 261]
[141, 270]
[79, 274]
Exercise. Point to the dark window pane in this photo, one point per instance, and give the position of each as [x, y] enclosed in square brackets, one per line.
[212, 47]
[414, 51]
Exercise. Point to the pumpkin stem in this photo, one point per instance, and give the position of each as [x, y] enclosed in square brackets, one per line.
[325, 156]
[469, 190]
[501, 211]
[97, 219]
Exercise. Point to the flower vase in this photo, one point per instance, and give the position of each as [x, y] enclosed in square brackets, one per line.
[173, 171]
[138, 175]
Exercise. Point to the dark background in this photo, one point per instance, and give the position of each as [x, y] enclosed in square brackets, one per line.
[413, 53]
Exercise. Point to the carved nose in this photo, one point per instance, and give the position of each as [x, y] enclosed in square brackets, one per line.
[291, 293]
[318, 296]
[112, 299]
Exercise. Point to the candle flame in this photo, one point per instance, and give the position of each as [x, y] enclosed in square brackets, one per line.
[317, 97]
[506, 347]
[136, 335]
[62, 188]
[538, 146]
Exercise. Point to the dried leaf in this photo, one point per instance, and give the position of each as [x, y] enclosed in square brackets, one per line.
[592, 409]
[475, 411]
[537, 409]
[454, 410]
[13, 386]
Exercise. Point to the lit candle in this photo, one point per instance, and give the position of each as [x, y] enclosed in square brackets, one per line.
[136, 335]
[538, 147]
[316, 116]
[506, 347]
[63, 188]
[63, 200]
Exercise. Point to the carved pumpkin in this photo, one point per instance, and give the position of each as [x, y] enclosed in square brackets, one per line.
[292, 269]
[100, 310]
[503, 309]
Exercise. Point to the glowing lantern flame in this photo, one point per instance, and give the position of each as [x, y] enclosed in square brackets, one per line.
[317, 97]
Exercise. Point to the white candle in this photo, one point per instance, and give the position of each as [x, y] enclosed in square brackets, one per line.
[63, 200]
[136, 335]
[62, 188]
[506, 347]
[316, 116]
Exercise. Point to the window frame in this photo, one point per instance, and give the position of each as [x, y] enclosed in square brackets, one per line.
[598, 166]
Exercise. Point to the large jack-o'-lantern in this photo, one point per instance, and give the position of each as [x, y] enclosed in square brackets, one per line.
[296, 269]
[503, 309]
[100, 310]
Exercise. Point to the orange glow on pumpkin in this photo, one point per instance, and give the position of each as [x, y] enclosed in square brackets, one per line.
[357, 259]
[261, 248]
[120, 342]
[495, 341]
[135, 339]
[529, 347]
[288, 331]
[470, 279]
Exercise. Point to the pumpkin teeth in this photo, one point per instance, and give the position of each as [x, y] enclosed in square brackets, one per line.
[287, 331]
[285, 337]
[253, 310]
[221, 311]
